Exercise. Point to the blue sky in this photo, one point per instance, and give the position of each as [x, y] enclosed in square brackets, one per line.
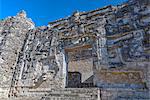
[44, 11]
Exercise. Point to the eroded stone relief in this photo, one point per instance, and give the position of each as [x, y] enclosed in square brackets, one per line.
[104, 53]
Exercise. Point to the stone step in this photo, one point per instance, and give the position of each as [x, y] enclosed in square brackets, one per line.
[88, 94]
[66, 98]
[125, 95]
[65, 94]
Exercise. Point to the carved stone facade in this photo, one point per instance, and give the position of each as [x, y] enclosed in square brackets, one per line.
[12, 34]
[97, 55]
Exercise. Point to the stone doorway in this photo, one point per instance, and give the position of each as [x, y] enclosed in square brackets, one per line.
[80, 67]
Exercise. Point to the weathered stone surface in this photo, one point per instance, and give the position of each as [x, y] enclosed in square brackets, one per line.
[12, 34]
[101, 54]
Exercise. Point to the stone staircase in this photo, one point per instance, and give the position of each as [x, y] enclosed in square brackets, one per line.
[83, 94]
[59, 94]
[73, 94]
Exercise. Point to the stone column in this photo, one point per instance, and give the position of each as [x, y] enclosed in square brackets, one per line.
[65, 69]
[63, 66]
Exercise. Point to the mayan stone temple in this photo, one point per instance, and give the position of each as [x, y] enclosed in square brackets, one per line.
[103, 54]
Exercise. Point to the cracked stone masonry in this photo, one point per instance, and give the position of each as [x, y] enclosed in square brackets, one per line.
[102, 54]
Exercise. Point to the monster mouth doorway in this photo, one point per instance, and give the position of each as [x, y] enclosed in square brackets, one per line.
[80, 66]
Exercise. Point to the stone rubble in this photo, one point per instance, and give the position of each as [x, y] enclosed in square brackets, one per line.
[102, 54]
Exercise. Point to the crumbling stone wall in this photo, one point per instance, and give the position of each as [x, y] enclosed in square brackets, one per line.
[12, 34]
[118, 39]
[126, 31]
